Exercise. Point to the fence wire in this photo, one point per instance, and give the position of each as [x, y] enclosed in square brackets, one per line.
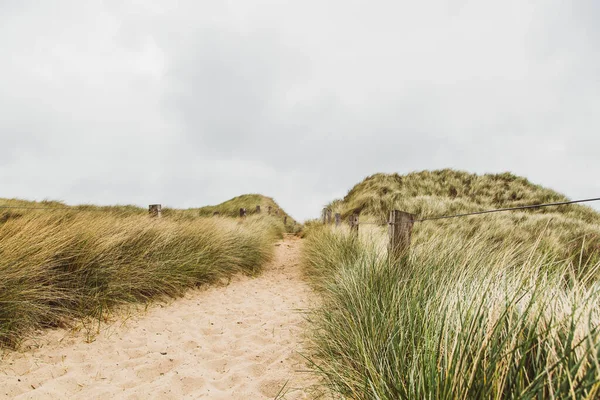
[509, 209]
[562, 203]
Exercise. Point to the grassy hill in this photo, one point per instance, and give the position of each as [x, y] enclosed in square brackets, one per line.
[231, 208]
[493, 306]
[441, 192]
[567, 231]
[60, 263]
[16, 208]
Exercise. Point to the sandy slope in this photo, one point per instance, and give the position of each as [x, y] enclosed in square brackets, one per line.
[240, 341]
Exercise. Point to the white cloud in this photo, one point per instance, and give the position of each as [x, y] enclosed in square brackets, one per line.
[189, 103]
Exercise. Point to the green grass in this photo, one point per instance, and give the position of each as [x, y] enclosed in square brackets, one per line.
[456, 320]
[496, 306]
[59, 266]
[441, 192]
[231, 208]
[570, 231]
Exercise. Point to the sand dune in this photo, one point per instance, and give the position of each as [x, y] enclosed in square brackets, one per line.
[240, 341]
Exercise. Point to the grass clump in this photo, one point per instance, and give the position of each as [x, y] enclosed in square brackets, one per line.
[231, 208]
[456, 320]
[571, 231]
[447, 191]
[66, 264]
[489, 307]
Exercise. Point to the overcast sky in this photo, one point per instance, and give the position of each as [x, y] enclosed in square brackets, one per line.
[188, 103]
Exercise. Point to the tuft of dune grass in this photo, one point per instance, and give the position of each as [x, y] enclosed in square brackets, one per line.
[61, 265]
[570, 231]
[493, 306]
[231, 207]
[457, 319]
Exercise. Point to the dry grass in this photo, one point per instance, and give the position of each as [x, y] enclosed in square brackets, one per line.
[431, 193]
[571, 231]
[456, 320]
[231, 208]
[496, 306]
[56, 266]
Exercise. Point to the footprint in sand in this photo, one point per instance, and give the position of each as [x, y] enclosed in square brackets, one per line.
[208, 353]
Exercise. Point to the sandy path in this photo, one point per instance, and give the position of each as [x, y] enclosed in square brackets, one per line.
[240, 341]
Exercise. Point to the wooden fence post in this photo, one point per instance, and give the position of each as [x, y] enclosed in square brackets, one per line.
[258, 209]
[324, 216]
[354, 223]
[269, 210]
[328, 216]
[338, 219]
[285, 220]
[242, 212]
[155, 210]
[401, 224]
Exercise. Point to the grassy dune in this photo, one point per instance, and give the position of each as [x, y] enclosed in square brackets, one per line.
[56, 266]
[231, 208]
[498, 306]
[431, 193]
[566, 231]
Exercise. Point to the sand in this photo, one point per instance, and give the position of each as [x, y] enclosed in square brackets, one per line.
[239, 341]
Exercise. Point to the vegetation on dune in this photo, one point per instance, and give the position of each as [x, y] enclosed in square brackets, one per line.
[443, 192]
[231, 208]
[81, 261]
[566, 231]
[16, 208]
[495, 306]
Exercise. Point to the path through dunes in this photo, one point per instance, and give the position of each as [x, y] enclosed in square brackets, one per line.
[239, 341]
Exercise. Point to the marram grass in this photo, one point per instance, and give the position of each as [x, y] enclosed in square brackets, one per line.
[56, 266]
[566, 231]
[457, 319]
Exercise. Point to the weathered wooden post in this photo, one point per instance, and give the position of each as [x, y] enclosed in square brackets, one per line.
[400, 230]
[354, 223]
[269, 210]
[155, 210]
[338, 219]
[324, 216]
[258, 209]
[328, 216]
[242, 212]
[285, 220]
